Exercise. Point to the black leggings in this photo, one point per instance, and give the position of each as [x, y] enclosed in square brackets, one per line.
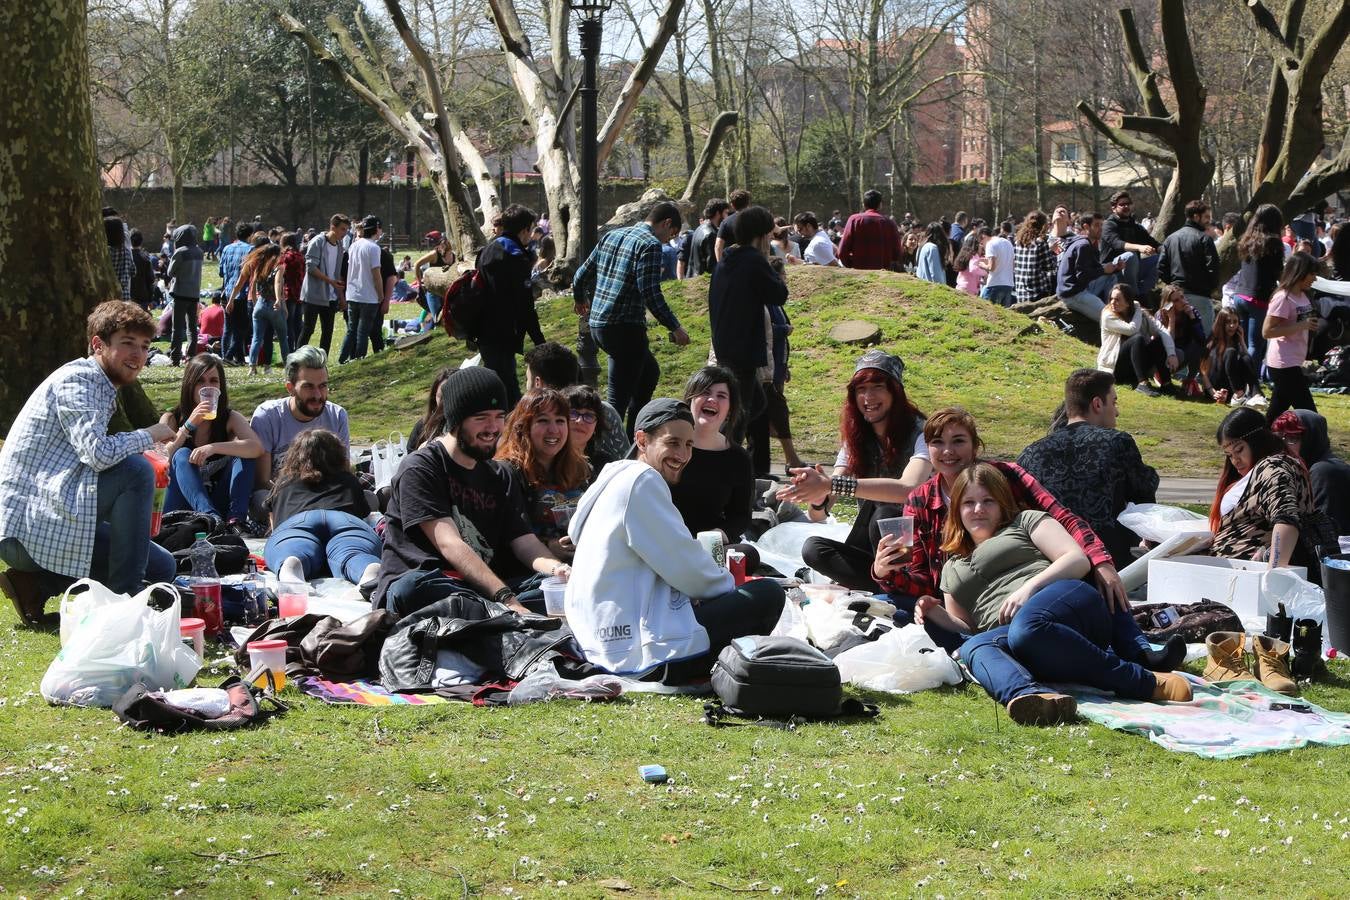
[1289, 390]
[1234, 373]
[850, 563]
[1140, 357]
[323, 315]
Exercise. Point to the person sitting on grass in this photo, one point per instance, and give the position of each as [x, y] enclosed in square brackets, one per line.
[1012, 594]
[75, 501]
[1304, 433]
[1228, 372]
[317, 511]
[881, 439]
[1263, 501]
[547, 469]
[1179, 319]
[1134, 346]
[214, 452]
[645, 598]
[429, 425]
[551, 365]
[953, 442]
[587, 426]
[455, 521]
[716, 487]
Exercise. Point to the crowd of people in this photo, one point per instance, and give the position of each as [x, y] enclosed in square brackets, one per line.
[503, 488]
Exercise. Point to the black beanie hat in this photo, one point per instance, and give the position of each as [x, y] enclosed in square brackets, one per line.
[470, 391]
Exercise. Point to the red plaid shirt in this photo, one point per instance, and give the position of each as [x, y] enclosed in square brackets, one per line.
[292, 273]
[923, 572]
[870, 241]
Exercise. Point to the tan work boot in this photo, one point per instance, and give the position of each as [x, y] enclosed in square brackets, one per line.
[1042, 709]
[1171, 686]
[1272, 664]
[1226, 662]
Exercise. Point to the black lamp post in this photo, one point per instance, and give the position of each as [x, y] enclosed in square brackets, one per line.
[590, 30]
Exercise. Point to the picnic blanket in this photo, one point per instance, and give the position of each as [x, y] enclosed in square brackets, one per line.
[1224, 721]
[361, 693]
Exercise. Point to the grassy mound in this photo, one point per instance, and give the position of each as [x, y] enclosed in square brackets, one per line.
[957, 350]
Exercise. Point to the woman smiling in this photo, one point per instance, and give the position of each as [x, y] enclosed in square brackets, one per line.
[549, 469]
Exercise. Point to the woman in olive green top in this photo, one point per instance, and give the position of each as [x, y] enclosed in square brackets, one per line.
[1011, 588]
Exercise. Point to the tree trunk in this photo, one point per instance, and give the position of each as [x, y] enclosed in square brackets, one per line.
[51, 198]
[362, 175]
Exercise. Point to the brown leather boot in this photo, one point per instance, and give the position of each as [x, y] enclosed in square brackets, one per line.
[1272, 665]
[22, 590]
[1171, 686]
[1042, 709]
[1226, 662]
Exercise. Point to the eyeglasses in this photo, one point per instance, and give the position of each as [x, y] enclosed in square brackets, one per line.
[584, 416]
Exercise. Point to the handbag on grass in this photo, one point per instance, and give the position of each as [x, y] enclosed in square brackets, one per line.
[764, 677]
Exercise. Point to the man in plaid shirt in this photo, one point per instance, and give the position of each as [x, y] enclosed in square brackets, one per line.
[870, 240]
[75, 500]
[124, 264]
[622, 278]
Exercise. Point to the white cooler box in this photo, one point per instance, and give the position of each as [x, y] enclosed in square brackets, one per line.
[1236, 583]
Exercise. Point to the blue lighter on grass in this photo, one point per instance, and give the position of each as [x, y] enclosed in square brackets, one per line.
[653, 774]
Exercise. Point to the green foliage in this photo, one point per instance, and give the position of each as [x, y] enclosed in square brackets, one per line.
[822, 162]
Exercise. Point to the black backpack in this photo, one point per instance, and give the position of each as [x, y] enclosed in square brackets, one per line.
[760, 676]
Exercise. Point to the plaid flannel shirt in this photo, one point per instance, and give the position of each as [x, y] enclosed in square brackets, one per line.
[231, 261]
[1034, 269]
[870, 241]
[623, 278]
[923, 572]
[50, 463]
[124, 264]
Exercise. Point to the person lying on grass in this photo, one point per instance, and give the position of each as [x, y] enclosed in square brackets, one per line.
[1012, 594]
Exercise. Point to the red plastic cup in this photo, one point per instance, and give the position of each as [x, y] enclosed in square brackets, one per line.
[207, 597]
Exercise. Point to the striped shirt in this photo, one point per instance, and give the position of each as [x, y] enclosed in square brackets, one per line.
[50, 463]
[625, 272]
[1034, 269]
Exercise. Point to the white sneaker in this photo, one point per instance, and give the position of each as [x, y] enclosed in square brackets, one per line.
[1237, 401]
[370, 576]
[1256, 401]
[292, 570]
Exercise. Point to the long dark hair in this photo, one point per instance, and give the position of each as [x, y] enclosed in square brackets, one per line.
[1263, 234]
[193, 373]
[433, 421]
[1242, 424]
[970, 247]
[937, 236]
[1218, 338]
[1032, 228]
[857, 435]
[1296, 268]
[315, 456]
[260, 262]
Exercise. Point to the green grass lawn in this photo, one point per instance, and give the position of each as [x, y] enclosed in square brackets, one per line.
[956, 349]
[942, 796]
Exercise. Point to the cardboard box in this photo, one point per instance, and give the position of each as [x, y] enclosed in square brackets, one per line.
[1236, 583]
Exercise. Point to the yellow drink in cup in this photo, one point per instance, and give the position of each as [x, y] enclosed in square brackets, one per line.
[210, 395]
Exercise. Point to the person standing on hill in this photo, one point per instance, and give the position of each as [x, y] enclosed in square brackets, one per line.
[185, 285]
[622, 277]
[509, 315]
[998, 287]
[870, 240]
[323, 285]
[819, 248]
[726, 232]
[238, 321]
[698, 256]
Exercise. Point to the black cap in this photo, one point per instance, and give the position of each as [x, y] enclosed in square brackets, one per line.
[657, 413]
[470, 391]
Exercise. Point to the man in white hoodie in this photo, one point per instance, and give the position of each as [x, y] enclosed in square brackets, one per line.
[645, 599]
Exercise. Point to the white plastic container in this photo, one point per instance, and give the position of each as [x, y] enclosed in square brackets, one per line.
[1236, 583]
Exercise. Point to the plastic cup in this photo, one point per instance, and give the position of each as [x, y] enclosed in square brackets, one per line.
[292, 599]
[555, 591]
[210, 395]
[562, 514]
[265, 655]
[824, 593]
[193, 632]
[901, 527]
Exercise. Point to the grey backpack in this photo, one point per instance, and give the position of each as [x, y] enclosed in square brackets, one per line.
[764, 677]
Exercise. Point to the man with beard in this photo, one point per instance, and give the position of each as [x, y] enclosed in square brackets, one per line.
[306, 406]
[65, 482]
[646, 599]
[455, 521]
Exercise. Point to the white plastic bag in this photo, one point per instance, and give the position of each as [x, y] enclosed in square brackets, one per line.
[902, 661]
[792, 623]
[115, 645]
[1157, 521]
[1301, 598]
[76, 605]
[470, 362]
[385, 457]
[545, 683]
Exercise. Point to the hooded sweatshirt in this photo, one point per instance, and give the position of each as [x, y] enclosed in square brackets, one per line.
[635, 570]
[185, 267]
[1329, 473]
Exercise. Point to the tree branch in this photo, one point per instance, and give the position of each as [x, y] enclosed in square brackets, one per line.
[1333, 177]
[1279, 40]
[723, 123]
[1145, 79]
[637, 80]
[1125, 141]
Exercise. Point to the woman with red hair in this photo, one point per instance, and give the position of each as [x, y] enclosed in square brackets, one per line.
[881, 435]
[550, 470]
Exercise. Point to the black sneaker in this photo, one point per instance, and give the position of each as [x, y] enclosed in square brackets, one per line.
[1147, 390]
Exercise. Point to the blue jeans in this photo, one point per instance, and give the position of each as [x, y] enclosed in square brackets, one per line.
[414, 590]
[227, 498]
[124, 556]
[1086, 303]
[633, 371]
[362, 321]
[264, 315]
[1064, 633]
[325, 540]
[1253, 317]
[1140, 272]
[1002, 294]
[433, 307]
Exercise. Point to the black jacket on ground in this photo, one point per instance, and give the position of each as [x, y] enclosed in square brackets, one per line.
[510, 314]
[743, 285]
[1117, 232]
[1189, 260]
